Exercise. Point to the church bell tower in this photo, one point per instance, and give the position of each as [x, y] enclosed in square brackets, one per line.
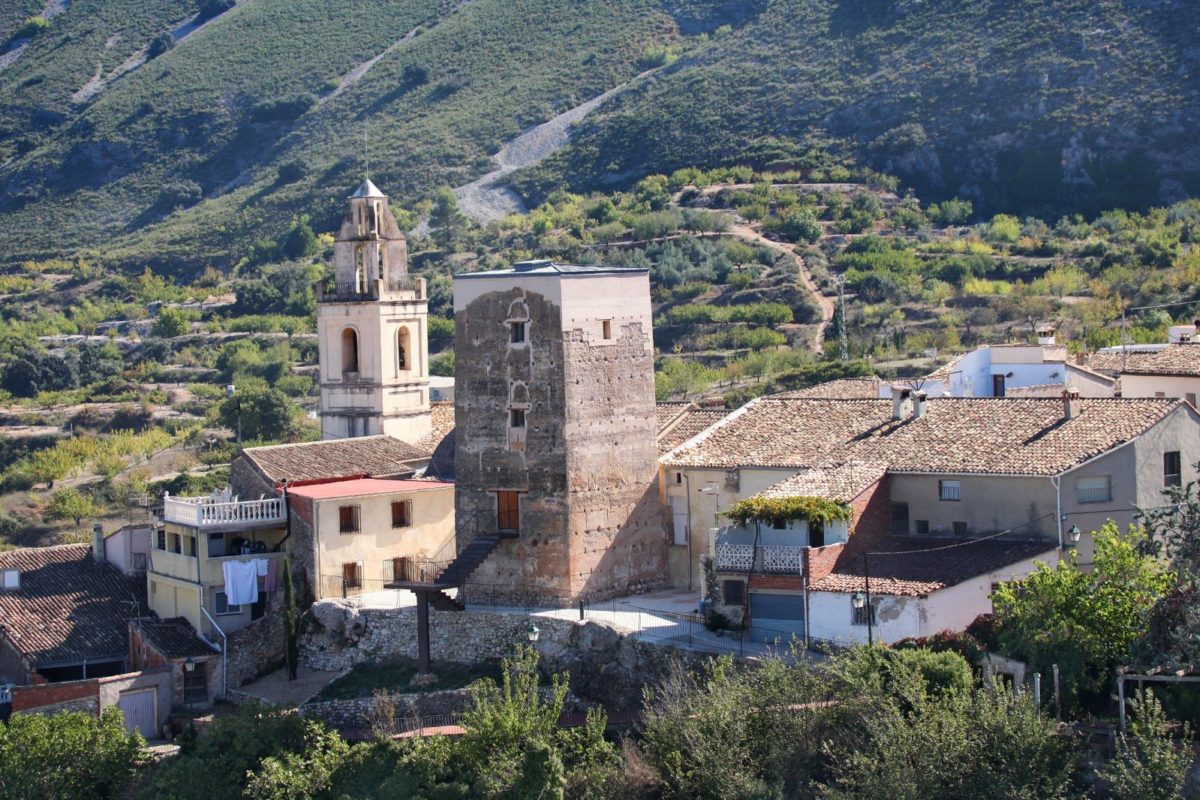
[372, 327]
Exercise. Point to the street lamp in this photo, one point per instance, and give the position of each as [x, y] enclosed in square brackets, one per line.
[533, 632]
[862, 600]
[237, 404]
[1073, 535]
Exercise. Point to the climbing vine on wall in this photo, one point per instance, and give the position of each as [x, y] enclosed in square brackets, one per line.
[768, 509]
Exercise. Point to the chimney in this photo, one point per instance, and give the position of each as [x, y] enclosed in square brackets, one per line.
[1081, 359]
[900, 396]
[1045, 334]
[98, 543]
[1071, 404]
[918, 404]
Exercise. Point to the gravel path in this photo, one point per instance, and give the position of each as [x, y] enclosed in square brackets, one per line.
[484, 201]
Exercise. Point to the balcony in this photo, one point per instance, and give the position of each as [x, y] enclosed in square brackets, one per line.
[770, 559]
[224, 512]
[339, 292]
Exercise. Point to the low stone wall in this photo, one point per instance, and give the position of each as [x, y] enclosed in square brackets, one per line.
[606, 664]
[257, 648]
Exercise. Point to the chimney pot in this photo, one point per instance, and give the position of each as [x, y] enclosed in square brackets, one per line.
[900, 396]
[98, 543]
[1071, 404]
[918, 404]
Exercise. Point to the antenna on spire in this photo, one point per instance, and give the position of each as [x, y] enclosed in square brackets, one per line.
[366, 153]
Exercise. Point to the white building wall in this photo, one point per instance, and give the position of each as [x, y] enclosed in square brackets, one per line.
[831, 614]
[1169, 385]
[956, 607]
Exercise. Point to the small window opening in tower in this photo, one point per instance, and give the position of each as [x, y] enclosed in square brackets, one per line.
[516, 418]
[516, 332]
[375, 217]
[606, 325]
[358, 219]
[380, 260]
[360, 271]
[402, 349]
[349, 351]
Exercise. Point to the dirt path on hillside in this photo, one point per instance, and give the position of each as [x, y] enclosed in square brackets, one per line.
[746, 233]
[484, 201]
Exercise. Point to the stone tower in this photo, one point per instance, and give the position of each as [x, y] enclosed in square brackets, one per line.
[555, 429]
[372, 329]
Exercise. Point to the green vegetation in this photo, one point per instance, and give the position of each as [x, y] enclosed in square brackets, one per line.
[813, 510]
[1085, 622]
[397, 674]
[70, 754]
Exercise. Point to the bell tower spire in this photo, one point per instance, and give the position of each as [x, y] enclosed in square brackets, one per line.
[372, 326]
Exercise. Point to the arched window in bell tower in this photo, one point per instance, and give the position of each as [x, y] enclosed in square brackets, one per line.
[349, 350]
[403, 356]
[360, 270]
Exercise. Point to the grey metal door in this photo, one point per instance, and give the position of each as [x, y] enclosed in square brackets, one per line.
[138, 708]
[776, 616]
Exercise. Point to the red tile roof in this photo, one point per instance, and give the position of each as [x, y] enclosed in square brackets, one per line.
[173, 638]
[842, 482]
[1174, 359]
[841, 389]
[686, 423]
[364, 487]
[68, 606]
[377, 456]
[1005, 436]
[918, 566]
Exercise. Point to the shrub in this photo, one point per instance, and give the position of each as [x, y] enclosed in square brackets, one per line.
[1149, 764]
[159, 45]
[944, 672]
[32, 27]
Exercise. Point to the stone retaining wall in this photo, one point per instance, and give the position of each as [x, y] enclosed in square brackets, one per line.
[257, 648]
[606, 664]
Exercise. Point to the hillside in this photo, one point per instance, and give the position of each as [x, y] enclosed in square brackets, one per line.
[155, 139]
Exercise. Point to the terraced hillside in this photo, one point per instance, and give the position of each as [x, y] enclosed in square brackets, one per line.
[176, 132]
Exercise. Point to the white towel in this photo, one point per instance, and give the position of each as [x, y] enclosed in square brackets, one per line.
[260, 564]
[241, 582]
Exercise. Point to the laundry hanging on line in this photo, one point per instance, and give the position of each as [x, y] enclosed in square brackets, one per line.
[241, 581]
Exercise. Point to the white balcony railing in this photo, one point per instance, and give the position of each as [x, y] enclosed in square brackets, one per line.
[217, 510]
[735, 557]
[783, 559]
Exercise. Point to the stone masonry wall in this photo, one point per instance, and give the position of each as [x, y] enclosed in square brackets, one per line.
[257, 648]
[605, 663]
[489, 369]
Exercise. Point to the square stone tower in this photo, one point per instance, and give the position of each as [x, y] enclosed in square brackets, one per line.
[372, 328]
[555, 429]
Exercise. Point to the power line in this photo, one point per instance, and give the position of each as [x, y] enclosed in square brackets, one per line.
[960, 544]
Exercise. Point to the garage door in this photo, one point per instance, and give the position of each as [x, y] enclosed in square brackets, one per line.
[776, 616]
[138, 708]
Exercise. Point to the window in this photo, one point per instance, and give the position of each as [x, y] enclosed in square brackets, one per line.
[348, 519]
[949, 490]
[508, 512]
[176, 543]
[1160, 394]
[859, 617]
[160, 539]
[223, 606]
[195, 684]
[191, 546]
[349, 350]
[516, 418]
[401, 513]
[516, 332]
[922, 526]
[1172, 469]
[1093, 490]
[900, 519]
[216, 545]
[779, 524]
[351, 575]
[606, 328]
[678, 478]
[733, 592]
[960, 528]
[402, 349]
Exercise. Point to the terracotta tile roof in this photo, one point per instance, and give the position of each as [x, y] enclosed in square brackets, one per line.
[944, 372]
[442, 416]
[686, 424]
[376, 456]
[918, 565]
[841, 389]
[173, 638]
[666, 413]
[833, 482]
[1007, 436]
[68, 607]
[1174, 359]
[1112, 363]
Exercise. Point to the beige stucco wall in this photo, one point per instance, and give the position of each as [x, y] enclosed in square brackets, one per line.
[956, 607]
[377, 541]
[1169, 385]
[702, 511]
[989, 504]
[171, 597]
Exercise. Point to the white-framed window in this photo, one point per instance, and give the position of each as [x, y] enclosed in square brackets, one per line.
[224, 607]
[859, 615]
[949, 490]
[516, 332]
[1095, 489]
[516, 418]
[606, 328]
